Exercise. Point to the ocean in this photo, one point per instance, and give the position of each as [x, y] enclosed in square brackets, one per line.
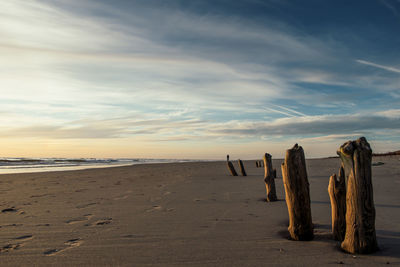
[25, 165]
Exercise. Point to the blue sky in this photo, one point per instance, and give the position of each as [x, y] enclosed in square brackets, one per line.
[197, 79]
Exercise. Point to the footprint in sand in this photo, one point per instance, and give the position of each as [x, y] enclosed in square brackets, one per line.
[11, 225]
[12, 209]
[86, 205]
[72, 243]
[84, 218]
[103, 221]
[42, 195]
[154, 208]
[14, 246]
[124, 196]
[81, 190]
[24, 237]
[9, 247]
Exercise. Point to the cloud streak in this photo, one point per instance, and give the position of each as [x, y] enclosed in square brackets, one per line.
[175, 129]
[175, 72]
[388, 68]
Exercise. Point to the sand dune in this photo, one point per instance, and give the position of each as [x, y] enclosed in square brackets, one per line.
[178, 215]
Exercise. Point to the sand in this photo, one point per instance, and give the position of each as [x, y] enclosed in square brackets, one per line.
[179, 214]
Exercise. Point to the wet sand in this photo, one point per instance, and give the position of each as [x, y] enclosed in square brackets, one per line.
[180, 214]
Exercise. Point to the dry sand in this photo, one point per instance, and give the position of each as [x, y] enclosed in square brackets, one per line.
[179, 215]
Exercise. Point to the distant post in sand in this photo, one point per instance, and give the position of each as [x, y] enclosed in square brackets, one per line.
[297, 192]
[269, 178]
[230, 167]
[241, 167]
[337, 194]
[259, 163]
[360, 237]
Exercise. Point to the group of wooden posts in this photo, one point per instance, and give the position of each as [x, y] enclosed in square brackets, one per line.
[353, 210]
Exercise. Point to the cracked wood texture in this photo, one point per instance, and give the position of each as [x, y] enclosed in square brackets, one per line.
[297, 191]
[269, 178]
[360, 237]
[337, 194]
[241, 167]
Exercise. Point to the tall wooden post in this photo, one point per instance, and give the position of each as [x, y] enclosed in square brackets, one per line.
[269, 178]
[241, 167]
[337, 194]
[297, 192]
[360, 234]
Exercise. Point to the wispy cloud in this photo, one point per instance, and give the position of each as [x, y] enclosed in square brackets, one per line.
[94, 69]
[388, 68]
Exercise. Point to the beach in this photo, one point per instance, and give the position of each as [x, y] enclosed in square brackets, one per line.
[180, 214]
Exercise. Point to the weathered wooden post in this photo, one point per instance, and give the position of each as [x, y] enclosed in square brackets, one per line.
[297, 192]
[360, 234]
[269, 178]
[230, 167]
[274, 173]
[241, 167]
[257, 164]
[337, 194]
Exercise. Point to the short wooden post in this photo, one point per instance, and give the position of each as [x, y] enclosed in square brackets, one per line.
[269, 178]
[241, 167]
[297, 192]
[360, 237]
[257, 164]
[231, 168]
[274, 173]
[337, 194]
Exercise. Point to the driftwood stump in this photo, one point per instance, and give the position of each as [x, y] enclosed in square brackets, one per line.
[337, 194]
[269, 178]
[360, 234]
[297, 192]
[241, 167]
[231, 168]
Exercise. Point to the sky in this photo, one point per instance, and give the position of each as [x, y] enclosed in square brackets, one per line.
[197, 79]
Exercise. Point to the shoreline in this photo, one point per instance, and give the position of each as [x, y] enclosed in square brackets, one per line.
[88, 167]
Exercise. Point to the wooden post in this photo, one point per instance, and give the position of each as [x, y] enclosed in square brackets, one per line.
[241, 167]
[257, 163]
[297, 192]
[274, 173]
[337, 194]
[231, 168]
[269, 179]
[360, 234]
